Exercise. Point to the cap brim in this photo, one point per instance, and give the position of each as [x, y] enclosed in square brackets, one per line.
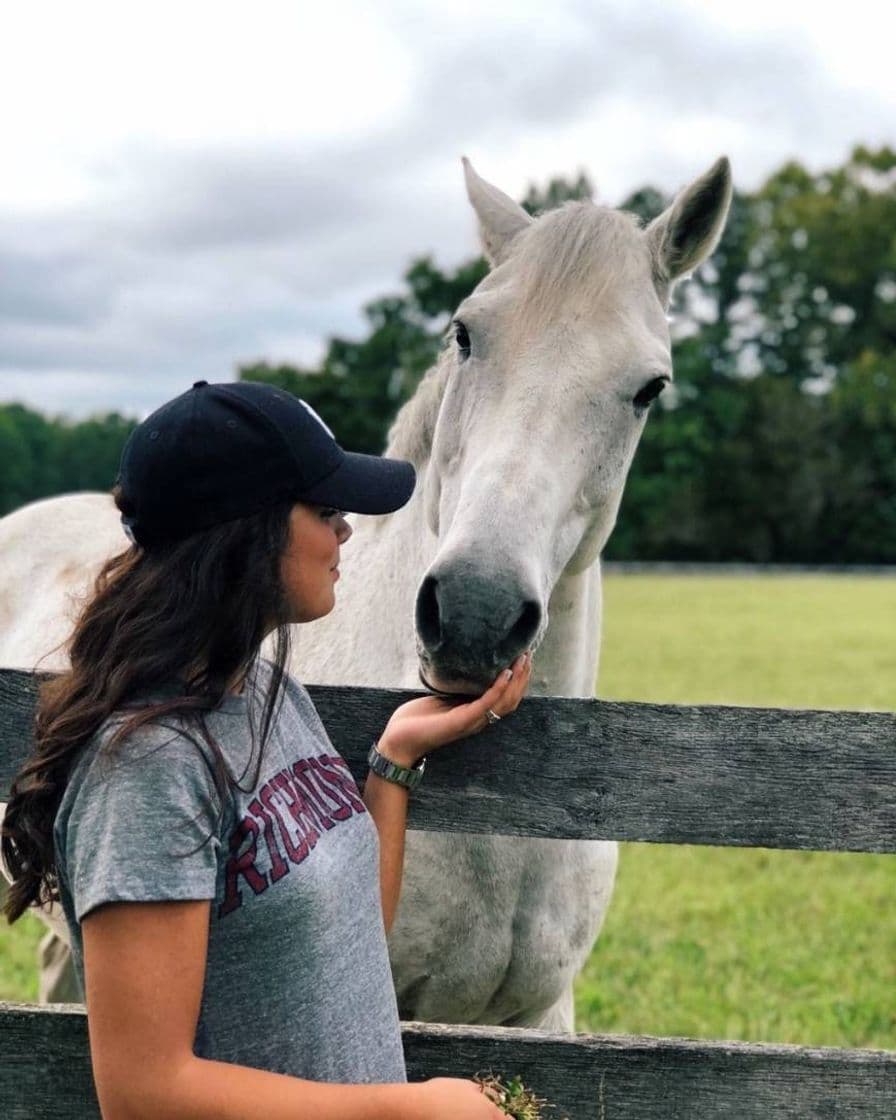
[365, 484]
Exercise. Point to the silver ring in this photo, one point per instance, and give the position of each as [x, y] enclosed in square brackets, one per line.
[491, 716]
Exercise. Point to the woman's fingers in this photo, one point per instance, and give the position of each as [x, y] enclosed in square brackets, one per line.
[521, 681]
[430, 722]
[505, 694]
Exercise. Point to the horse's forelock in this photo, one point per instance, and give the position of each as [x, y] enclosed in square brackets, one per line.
[574, 258]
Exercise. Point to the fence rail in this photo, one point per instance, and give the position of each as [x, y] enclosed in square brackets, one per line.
[587, 1077]
[587, 769]
[581, 769]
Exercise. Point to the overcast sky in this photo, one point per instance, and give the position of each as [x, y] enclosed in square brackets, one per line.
[190, 186]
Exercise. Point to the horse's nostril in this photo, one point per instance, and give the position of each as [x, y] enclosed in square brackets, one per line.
[525, 628]
[429, 626]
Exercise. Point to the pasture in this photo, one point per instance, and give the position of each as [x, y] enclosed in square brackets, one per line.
[738, 943]
[750, 944]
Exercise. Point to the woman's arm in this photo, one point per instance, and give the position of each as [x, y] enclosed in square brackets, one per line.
[414, 729]
[387, 803]
[144, 966]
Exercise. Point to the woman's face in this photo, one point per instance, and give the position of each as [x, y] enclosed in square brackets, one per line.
[308, 564]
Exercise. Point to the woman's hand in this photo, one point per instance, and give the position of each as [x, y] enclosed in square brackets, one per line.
[452, 1098]
[422, 725]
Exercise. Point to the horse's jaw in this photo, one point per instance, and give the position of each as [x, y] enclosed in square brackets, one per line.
[441, 685]
[453, 680]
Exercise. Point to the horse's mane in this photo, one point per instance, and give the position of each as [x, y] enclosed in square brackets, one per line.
[569, 258]
[410, 436]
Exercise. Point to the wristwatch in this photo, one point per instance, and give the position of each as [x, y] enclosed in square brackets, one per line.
[407, 776]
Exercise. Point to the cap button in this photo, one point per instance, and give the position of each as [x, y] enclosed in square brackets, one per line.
[199, 384]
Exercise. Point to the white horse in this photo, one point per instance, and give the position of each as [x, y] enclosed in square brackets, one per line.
[522, 435]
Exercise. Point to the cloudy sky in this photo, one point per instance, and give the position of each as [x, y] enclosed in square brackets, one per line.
[190, 186]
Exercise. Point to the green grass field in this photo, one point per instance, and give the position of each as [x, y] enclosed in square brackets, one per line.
[714, 943]
[744, 943]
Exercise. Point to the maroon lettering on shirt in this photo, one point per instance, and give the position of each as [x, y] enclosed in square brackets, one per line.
[279, 866]
[292, 796]
[335, 771]
[242, 865]
[298, 787]
[343, 808]
[312, 793]
[300, 808]
[296, 849]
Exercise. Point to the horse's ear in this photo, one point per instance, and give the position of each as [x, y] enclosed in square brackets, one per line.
[500, 218]
[684, 235]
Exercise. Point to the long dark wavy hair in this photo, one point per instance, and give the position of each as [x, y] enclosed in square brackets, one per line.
[192, 612]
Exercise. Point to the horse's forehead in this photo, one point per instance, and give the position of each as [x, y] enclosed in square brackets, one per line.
[584, 250]
[584, 267]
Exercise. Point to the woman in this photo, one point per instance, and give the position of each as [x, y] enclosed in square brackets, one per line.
[226, 886]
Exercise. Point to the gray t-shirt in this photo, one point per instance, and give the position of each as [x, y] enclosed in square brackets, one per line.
[297, 979]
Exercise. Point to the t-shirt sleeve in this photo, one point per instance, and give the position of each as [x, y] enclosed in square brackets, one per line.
[144, 824]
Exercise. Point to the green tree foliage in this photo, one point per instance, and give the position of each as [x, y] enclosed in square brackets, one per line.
[859, 518]
[821, 267]
[778, 440]
[42, 457]
[16, 482]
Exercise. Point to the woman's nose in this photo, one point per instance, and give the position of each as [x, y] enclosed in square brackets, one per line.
[345, 530]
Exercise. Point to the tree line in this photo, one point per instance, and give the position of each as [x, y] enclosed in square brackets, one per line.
[777, 442]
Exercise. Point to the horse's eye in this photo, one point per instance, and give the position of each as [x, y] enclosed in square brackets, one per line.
[650, 392]
[463, 340]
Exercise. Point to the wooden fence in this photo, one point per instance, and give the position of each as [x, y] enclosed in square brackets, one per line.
[582, 769]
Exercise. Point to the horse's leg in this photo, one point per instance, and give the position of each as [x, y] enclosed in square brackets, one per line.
[562, 1016]
[58, 980]
[558, 1019]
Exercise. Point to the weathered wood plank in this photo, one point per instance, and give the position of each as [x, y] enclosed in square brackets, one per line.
[45, 1066]
[595, 1077]
[581, 769]
[45, 1072]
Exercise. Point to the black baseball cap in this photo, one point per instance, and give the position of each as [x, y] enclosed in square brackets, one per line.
[227, 450]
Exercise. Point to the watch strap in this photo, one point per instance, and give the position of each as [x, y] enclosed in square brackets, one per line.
[407, 776]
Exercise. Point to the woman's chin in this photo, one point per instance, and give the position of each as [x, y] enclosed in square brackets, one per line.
[312, 614]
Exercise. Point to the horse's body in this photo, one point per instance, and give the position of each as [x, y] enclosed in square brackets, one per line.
[522, 436]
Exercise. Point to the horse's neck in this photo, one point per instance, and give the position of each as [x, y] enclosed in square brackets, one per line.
[369, 638]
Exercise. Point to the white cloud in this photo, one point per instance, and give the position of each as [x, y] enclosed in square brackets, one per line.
[190, 186]
[91, 78]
